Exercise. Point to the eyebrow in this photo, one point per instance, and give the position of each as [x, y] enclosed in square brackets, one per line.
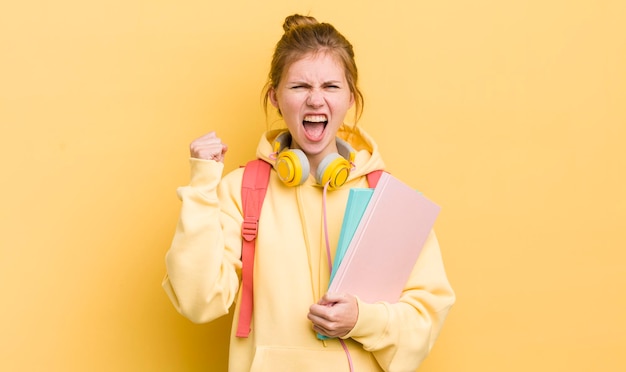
[300, 82]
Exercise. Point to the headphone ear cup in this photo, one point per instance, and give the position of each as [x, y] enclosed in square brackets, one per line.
[292, 167]
[335, 169]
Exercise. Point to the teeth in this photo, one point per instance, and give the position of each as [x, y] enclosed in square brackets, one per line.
[315, 118]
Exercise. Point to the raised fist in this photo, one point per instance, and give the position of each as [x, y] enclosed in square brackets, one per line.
[208, 147]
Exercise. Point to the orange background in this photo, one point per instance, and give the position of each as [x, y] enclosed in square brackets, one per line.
[511, 115]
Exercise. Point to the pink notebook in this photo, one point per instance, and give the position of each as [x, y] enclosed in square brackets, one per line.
[387, 242]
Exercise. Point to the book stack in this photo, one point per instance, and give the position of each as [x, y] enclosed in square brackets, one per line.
[382, 235]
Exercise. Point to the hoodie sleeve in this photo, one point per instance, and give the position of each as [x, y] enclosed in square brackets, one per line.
[203, 263]
[401, 335]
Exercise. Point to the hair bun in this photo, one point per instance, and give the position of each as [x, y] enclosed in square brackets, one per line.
[297, 20]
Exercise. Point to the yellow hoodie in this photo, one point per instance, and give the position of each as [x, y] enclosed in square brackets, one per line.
[291, 273]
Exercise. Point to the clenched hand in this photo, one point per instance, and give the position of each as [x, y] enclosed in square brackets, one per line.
[334, 315]
[208, 147]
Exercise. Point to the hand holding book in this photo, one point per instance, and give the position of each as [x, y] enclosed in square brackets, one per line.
[334, 315]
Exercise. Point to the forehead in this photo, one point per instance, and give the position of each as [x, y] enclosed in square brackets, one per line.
[321, 65]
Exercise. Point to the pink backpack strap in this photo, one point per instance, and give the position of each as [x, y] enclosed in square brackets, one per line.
[373, 177]
[254, 185]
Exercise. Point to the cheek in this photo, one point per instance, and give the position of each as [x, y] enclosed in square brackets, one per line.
[342, 104]
[290, 103]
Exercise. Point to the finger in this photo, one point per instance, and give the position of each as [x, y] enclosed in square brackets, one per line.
[206, 142]
[336, 297]
[207, 138]
[319, 311]
[208, 135]
[328, 331]
[314, 314]
[324, 316]
[206, 152]
[320, 323]
[321, 331]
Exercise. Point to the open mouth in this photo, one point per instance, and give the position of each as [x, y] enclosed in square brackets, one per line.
[314, 126]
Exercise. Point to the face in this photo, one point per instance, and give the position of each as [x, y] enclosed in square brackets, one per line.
[313, 97]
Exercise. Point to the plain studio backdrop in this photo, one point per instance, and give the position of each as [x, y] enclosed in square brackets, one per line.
[509, 114]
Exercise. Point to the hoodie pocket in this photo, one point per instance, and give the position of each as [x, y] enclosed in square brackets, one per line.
[282, 359]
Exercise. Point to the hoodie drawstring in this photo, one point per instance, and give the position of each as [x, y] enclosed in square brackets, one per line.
[330, 266]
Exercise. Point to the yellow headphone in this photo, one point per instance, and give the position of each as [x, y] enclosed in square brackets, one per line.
[292, 165]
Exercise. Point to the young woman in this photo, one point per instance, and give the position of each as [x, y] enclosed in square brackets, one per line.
[313, 84]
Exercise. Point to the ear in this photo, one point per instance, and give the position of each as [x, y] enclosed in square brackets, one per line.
[351, 99]
[272, 95]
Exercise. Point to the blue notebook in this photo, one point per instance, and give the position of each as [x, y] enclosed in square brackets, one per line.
[357, 202]
[358, 199]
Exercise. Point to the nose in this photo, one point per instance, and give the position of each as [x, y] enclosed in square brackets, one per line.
[315, 99]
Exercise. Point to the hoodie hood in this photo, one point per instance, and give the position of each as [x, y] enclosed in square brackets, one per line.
[367, 157]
